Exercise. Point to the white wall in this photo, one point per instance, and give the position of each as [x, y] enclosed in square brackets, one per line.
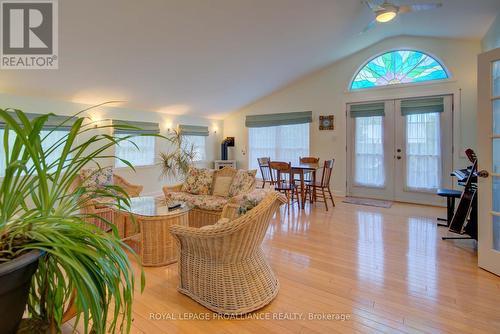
[325, 92]
[491, 39]
[148, 176]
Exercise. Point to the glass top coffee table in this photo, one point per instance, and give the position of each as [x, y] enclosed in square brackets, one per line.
[155, 244]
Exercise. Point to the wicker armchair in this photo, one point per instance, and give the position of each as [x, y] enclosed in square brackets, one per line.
[223, 267]
[96, 208]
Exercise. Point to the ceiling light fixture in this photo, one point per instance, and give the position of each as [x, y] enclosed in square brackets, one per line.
[385, 15]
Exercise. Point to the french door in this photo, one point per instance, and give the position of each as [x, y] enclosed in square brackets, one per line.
[400, 149]
[488, 142]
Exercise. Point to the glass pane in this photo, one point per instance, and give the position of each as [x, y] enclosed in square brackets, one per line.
[423, 151]
[496, 233]
[196, 144]
[280, 143]
[496, 193]
[496, 78]
[139, 151]
[398, 67]
[369, 152]
[496, 117]
[496, 155]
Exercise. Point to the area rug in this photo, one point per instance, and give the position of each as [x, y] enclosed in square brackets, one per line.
[368, 202]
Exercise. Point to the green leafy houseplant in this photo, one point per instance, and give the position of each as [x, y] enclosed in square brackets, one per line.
[40, 210]
[176, 162]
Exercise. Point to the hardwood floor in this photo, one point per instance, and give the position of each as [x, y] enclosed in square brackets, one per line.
[386, 269]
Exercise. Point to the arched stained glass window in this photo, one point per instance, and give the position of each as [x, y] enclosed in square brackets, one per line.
[398, 67]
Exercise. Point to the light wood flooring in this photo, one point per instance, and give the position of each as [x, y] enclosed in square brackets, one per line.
[386, 269]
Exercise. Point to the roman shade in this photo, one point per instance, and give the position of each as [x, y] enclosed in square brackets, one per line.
[54, 122]
[193, 130]
[133, 127]
[266, 120]
[422, 106]
[367, 109]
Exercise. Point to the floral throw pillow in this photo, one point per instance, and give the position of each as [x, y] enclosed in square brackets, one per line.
[243, 182]
[198, 181]
[97, 178]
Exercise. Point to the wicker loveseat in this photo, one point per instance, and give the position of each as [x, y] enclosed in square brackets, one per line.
[223, 266]
[207, 203]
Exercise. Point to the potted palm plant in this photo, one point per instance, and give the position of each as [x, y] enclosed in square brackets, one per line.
[49, 255]
[175, 163]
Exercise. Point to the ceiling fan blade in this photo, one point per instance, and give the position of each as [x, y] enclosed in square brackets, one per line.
[419, 7]
[372, 6]
[370, 26]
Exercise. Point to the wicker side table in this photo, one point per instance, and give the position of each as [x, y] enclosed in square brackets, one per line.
[149, 235]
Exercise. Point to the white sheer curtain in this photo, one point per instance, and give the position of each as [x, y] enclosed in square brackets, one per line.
[369, 152]
[423, 151]
[280, 143]
[48, 140]
[199, 146]
[141, 155]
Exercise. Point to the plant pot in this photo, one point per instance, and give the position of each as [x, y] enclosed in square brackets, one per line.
[15, 280]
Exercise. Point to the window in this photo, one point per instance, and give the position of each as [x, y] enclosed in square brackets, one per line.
[281, 143]
[140, 154]
[198, 144]
[398, 67]
[369, 151]
[423, 151]
[48, 140]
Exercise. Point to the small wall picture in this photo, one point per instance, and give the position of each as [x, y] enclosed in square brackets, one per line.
[326, 122]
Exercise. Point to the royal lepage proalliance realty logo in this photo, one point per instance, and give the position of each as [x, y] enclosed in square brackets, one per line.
[29, 34]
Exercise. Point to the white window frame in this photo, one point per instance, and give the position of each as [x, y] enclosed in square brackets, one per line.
[46, 143]
[280, 140]
[137, 161]
[200, 146]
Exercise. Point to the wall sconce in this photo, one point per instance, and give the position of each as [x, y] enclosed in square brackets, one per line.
[215, 129]
[168, 125]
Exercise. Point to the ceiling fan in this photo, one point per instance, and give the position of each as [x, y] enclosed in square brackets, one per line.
[387, 11]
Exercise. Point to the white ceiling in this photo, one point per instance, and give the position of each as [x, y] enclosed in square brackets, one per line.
[210, 57]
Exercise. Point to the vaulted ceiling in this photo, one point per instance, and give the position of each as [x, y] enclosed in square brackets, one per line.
[210, 57]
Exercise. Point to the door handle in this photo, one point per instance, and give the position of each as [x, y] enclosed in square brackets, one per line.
[398, 150]
[483, 173]
[398, 157]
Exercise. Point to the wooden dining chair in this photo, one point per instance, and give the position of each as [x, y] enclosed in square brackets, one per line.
[265, 170]
[322, 189]
[307, 175]
[309, 160]
[282, 176]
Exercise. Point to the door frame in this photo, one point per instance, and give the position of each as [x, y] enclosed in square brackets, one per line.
[425, 197]
[398, 93]
[488, 258]
[383, 193]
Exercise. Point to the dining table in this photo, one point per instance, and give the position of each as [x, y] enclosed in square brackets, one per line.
[301, 169]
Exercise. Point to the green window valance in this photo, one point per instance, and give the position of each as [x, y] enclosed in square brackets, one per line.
[133, 127]
[367, 109]
[422, 106]
[55, 122]
[193, 130]
[260, 121]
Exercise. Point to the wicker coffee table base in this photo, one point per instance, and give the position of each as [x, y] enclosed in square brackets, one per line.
[150, 236]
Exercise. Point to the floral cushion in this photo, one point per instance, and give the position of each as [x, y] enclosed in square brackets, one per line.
[205, 202]
[198, 181]
[250, 200]
[243, 182]
[97, 178]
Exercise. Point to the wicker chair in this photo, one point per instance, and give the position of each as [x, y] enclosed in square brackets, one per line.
[95, 208]
[223, 267]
